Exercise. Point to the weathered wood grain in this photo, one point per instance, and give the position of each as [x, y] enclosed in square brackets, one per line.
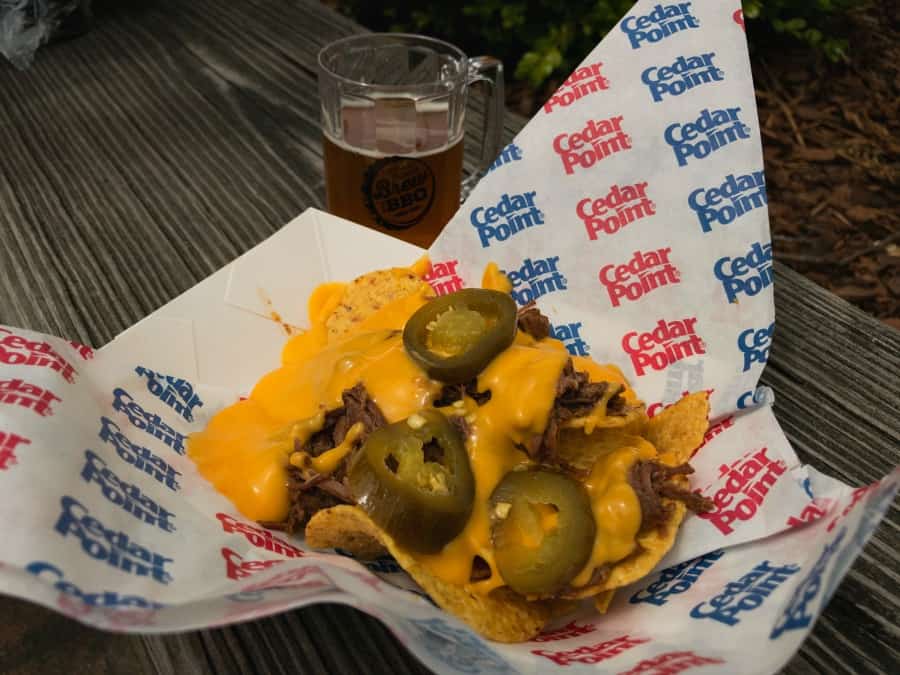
[136, 160]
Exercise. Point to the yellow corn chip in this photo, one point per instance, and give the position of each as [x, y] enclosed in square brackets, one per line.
[652, 547]
[678, 430]
[632, 418]
[603, 601]
[581, 451]
[501, 615]
[367, 294]
[342, 527]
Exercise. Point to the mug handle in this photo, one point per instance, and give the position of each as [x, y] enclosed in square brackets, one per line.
[489, 70]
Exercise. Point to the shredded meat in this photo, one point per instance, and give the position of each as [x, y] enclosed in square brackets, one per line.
[307, 495]
[531, 321]
[650, 481]
[451, 393]
[617, 404]
[357, 407]
[575, 396]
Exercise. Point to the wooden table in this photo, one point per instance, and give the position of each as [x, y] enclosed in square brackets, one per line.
[141, 157]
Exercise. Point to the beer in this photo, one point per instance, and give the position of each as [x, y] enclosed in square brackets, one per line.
[409, 186]
[393, 120]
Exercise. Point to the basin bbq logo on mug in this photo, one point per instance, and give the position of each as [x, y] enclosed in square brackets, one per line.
[399, 191]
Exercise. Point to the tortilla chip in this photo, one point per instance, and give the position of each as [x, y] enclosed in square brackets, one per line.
[501, 615]
[367, 294]
[652, 547]
[632, 418]
[603, 601]
[341, 527]
[581, 451]
[678, 430]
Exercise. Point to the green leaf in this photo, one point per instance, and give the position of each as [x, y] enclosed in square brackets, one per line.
[752, 9]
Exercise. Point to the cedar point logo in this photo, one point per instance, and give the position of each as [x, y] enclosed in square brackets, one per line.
[661, 22]
[709, 132]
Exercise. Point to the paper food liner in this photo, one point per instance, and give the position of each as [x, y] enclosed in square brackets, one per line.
[632, 208]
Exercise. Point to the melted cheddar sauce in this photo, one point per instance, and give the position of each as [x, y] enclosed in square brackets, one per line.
[246, 449]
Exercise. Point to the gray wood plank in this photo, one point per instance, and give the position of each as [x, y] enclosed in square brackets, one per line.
[177, 134]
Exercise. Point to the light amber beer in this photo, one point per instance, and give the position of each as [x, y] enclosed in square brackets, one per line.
[410, 195]
[393, 119]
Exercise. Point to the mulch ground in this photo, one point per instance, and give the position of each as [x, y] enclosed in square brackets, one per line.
[831, 140]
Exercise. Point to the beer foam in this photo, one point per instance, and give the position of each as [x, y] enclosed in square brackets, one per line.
[377, 154]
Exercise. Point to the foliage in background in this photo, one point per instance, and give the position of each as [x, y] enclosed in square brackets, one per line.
[546, 39]
[815, 22]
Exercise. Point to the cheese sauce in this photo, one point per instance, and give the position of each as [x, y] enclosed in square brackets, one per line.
[246, 449]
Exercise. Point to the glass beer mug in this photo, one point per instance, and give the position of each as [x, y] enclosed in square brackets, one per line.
[393, 113]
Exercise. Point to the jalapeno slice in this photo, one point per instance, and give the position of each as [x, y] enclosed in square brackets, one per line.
[543, 530]
[455, 336]
[414, 480]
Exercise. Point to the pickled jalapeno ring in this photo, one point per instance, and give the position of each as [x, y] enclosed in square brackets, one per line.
[414, 480]
[543, 530]
[455, 336]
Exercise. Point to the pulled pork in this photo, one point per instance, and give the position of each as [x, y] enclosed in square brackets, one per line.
[451, 393]
[308, 495]
[575, 396]
[651, 482]
[531, 321]
[357, 407]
